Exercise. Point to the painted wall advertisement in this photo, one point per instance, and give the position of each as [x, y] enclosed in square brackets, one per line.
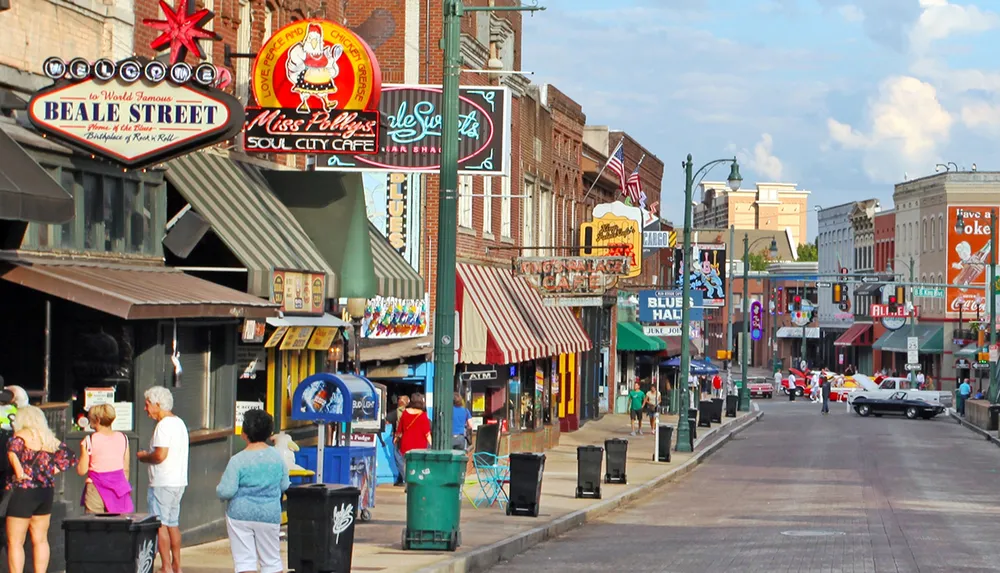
[394, 205]
[708, 272]
[571, 276]
[388, 317]
[619, 227]
[969, 242]
[410, 132]
[298, 292]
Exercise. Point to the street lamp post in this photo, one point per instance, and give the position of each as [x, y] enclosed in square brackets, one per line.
[734, 181]
[745, 340]
[729, 323]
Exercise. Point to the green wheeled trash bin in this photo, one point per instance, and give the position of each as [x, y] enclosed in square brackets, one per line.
[321, 527]
[434, 481]
[110, 543]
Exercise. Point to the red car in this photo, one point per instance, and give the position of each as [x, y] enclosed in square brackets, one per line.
[801, 378]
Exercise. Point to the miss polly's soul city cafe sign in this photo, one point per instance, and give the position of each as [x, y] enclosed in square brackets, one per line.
[571, 276]
[139, 112]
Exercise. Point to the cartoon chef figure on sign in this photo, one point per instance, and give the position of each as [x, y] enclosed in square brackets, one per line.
[312, 68]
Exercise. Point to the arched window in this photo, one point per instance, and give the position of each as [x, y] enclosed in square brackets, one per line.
[923, 235]
[941, 232]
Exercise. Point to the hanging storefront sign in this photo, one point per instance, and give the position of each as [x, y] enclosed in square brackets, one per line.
[659, 306]
[298, 292]
[317, 87]
[708, 272]
[388, 317]
[134, 113]
[571, 276]
[618, 235]
[970, 230]
[410, 134]
[756, 320]
[394, 205]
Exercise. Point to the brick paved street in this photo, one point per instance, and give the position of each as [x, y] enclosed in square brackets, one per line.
[801, 492]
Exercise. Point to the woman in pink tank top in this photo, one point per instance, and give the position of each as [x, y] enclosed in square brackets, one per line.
[104, 459]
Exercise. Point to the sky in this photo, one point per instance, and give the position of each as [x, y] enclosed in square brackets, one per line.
[843, 97]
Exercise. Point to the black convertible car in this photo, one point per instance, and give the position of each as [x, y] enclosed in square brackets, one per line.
[897, 403]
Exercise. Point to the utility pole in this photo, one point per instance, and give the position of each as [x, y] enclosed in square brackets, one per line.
[729, 324]
[744, 339]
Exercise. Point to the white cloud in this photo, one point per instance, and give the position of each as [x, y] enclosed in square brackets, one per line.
[762, 159]
[940, 19]
[981, 115]
[908, 127]
[851, 13]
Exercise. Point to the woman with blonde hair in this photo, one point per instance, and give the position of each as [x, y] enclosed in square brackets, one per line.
[104, 461]
[36, 456]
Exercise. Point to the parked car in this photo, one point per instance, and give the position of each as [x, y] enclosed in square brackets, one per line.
[761, 387]
[889, 386]
[896, 403]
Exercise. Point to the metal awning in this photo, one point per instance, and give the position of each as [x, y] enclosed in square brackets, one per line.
[232, 194]
[137, 292]
[327, 320]
[632, 339]
[796, 332]
[857, 335]
[395, 276]
[27, 191]
[930, 338]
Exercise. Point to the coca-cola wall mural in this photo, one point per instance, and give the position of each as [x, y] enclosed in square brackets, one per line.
[970, 230]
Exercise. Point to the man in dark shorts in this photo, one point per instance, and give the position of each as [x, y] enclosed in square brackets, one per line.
[636, 399]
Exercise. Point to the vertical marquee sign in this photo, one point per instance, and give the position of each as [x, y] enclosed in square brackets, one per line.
[756, 320]
[139, 112]
[317, 86]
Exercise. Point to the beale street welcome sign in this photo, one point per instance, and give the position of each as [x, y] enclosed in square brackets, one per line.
[571, 276]
[132, 112]
[410, 132]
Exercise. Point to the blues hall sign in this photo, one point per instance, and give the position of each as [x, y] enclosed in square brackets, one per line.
[410, 132]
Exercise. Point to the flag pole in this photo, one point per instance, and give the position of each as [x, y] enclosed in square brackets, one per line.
[599, 173]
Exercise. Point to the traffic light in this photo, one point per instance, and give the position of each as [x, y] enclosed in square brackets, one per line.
[893, 304]
[837, 292]
[983, 357]
[796, 303]
[900, 294]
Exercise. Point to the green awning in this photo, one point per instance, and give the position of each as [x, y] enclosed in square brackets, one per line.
[931, 339]
[631, 339]
[395, 276]
[969, 351]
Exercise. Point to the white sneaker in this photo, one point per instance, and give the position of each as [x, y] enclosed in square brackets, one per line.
[640, 432]
[632, 434]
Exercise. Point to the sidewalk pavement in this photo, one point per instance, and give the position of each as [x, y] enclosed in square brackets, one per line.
[488, 534]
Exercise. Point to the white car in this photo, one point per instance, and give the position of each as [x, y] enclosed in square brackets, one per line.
[889, 386]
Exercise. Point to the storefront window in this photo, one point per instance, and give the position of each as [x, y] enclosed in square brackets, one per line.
[514, 399]
[101, 354]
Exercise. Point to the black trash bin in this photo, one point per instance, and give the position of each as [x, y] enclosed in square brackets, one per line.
[111, 543]
[693, 417]
[692, 426]
[525, 483]
[589, 460]
[321, 527]
[705, 408]
[616, 452]
[717, 404]
[994, 415]
[732, 401]
[666, 434]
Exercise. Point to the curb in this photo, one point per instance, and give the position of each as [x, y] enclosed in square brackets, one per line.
[482, 558]
[989, 437]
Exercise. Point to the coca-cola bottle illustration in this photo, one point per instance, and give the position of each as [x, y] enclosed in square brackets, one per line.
[972, 266]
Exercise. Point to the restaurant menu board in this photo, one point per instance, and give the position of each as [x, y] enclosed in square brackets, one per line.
[322, 338]
[297, 338]
[276, 337]
[123, 410]
[242, 407]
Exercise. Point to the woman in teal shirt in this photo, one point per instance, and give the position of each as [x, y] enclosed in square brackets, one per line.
[253, 484]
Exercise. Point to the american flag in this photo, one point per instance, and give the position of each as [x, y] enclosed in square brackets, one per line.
[616, 164]
[633, 189]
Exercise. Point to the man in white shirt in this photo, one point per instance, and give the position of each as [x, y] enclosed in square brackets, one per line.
[815, 386]
[777, 381]
[168, 473]
[920, 380]
[791, 384]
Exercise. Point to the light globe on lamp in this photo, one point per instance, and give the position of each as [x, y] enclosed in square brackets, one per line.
[356, 308]
[734, 179]
[773, 251]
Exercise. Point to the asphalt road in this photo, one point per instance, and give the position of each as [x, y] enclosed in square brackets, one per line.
[802, 492]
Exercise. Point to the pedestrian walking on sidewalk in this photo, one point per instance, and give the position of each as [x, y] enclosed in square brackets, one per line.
[964, 390]
[392, 418]
[777, 380]
[167, 457]
[717, 386]
[652, 406]
[636, 399]
[814, 387]
[461, 424]
[104, 461]
[826, 394]
[414, 431]
[36, 455]
[252, 485]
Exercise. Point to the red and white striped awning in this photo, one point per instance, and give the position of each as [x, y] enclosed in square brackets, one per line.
[517, 326]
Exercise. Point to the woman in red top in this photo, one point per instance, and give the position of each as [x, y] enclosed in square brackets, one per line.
[413, 432]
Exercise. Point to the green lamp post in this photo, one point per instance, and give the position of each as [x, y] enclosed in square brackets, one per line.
[734, 181]
[745, 340]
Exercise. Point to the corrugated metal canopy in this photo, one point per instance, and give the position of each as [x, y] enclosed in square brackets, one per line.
[137, 292]
[395, 276]
[230, 191]
[28, 192]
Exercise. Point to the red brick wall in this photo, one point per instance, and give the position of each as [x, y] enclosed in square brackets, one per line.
[885, 239]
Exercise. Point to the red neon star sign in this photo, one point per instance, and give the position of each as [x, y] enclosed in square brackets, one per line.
[180, 32]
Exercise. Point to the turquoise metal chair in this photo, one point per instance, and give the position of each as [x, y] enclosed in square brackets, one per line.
[492, 474]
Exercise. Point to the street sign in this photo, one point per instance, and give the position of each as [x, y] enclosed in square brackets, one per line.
[662, 331]
[912, 343]
[994, 352]
[820, 284]
[912, 367]
[928, 292]
[913, 357]
[869, 279]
